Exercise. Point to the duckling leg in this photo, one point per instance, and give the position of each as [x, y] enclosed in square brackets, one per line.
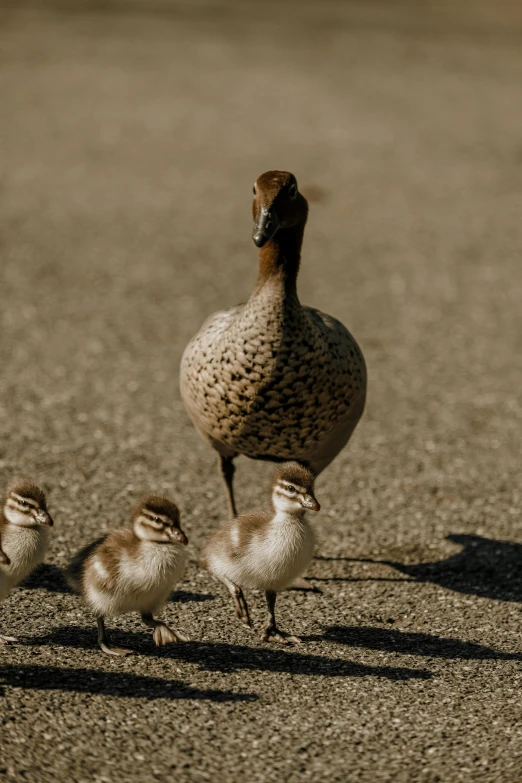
[104, 643]
[162, 633]
[227, 470]
[271, 632]
[240, 603]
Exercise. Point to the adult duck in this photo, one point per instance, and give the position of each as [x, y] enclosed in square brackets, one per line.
[273, 379]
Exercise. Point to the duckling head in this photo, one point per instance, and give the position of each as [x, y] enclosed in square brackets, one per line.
[25, 505]
[157, 519]
[293, 490]
[278, 205]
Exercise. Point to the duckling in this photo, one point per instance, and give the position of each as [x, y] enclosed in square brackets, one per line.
[24, 532]
[273, 379]
[266, 550]
[133, 570]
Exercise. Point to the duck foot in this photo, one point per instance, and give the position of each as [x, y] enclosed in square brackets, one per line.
[105, 645]
[109, 649]
[8, 639]
[162, 633]
[240, 604]
[242, 610]
[272, 634]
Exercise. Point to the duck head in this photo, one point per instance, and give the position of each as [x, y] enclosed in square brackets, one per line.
[157, 519]
[25, 505]
[293, 490]
[278, 205]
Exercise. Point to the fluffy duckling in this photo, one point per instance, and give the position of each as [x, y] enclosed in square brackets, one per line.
[266, 550]
[24, 532]
[273, 379]
[133, 570]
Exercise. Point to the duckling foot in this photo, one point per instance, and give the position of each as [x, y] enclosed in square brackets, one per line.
[240, 604]
[105, 645]
[8, 640]
[242, 610]
[164, 635]
[272, 634]
[109, 649]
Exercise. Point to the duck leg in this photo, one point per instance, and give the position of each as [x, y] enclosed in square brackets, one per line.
[240, 604]
[227, 471]
[162, 633]
[104, 643]
[271, 632]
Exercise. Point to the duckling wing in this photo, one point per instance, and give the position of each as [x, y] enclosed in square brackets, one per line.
[243, 529]
[231, 539]
[75, 570]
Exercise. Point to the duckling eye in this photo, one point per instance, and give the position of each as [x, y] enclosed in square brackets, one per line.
[292, 191]
[291, 488]
[23, 502]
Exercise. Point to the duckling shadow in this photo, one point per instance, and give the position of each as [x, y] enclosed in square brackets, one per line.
[407, 643]
[227, 658]
[184, 597]
[103, 683]
[47, 576]
[485, 567]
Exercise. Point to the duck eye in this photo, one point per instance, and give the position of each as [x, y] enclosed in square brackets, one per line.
[23, 503]
[291, 488]
[292, 191]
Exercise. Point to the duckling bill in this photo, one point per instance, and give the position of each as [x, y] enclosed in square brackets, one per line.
[133, 570]
[24, 533]
[267, 550]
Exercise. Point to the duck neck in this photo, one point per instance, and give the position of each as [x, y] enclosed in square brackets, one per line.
[279, 263]
[280, 514]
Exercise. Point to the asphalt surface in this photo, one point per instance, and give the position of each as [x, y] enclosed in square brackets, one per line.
[130, 137]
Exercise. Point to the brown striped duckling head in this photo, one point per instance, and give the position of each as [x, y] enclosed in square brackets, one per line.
[157, 520]
[25, 505]
[293, 490]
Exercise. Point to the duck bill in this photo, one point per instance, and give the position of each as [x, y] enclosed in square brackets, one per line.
[265, 227]
[310, 502]
[44, 518]
[178, 537]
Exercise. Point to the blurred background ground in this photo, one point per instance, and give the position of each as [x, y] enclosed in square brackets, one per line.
[130, 136]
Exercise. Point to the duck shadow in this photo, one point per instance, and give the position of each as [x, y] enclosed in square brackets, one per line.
[50, 577]
[47, 576]
[485, 567]
[103, 683]
[408, 643]
[228, 658]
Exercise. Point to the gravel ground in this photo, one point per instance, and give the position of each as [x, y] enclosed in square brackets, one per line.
[130, 136]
